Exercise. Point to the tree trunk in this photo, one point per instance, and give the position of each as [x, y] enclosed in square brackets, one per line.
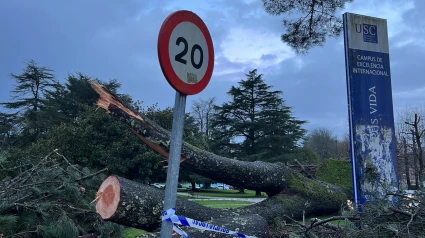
[418, 169]
[132, 204]
[136, 205]
[406, 164]
[207, 125]
[417, 147]
[418, 136]
[416, 178]
[193, 185]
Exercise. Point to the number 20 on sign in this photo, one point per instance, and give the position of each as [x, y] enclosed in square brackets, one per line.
[186, 52]
[186, 56]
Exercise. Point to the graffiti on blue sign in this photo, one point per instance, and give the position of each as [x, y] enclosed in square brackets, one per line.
[373, 144]
[372, 117]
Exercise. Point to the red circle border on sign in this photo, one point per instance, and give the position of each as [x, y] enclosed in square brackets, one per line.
[163, 52]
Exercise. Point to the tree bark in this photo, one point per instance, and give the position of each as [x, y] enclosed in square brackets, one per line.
[136, 205]
[417, 164]
[406, 163]
[417, 134]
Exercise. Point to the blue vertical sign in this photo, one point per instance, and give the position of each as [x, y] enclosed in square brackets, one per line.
[372, 135]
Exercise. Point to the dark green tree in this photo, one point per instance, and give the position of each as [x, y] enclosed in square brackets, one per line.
[33, 85]
[8, 130]
[257, 120]
[96, 141]
[315, 21]
[256, 123]
[70, 99]
[76, 93]
[71, 123]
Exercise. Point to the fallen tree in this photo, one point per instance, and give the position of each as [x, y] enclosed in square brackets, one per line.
[137, 205]
[291, 194]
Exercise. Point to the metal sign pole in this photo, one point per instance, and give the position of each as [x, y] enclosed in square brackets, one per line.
[174, 161]
[188, 74]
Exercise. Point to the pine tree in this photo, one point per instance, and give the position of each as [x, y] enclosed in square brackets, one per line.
[68, 100]
[8, 130]
[256, 123]
[34, 84]
[32, 87]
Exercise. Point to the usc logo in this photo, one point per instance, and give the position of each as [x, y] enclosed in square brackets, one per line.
[370, 33]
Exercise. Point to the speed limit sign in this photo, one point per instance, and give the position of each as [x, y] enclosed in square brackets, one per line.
[186, 52]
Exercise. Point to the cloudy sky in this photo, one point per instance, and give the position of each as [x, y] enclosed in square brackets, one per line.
[118, 39]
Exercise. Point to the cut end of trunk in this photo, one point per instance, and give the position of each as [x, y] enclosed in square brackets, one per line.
[108, 197]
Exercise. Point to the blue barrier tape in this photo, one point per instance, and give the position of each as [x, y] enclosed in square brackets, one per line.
[180, 231]
[170, 216]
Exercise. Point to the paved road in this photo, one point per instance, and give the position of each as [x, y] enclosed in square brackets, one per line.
[197, 197]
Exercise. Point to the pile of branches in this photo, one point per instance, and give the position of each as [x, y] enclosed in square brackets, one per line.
[50, 198]
[376, 219]
[406, 219]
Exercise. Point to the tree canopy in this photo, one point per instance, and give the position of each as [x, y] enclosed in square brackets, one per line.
[256, 121]
[314, 21]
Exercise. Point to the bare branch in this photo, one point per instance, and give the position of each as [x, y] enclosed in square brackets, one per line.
[403, 196]
[73, 166]
[317, 222]
[400, 211]
[92, 175]
[411, 219]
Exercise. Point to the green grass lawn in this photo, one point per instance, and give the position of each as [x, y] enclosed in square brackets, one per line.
[222, 203]
[130, 232]
[225, 193]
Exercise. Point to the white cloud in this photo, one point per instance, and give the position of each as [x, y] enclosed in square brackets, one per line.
[391, 10]
[410, 41]
[221, 72]
[405, 42]
[299, 63]
[415, 93]
[199, 7]
[254, 47]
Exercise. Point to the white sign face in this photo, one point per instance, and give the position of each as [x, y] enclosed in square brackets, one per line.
[188, 52]
[367, 33]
